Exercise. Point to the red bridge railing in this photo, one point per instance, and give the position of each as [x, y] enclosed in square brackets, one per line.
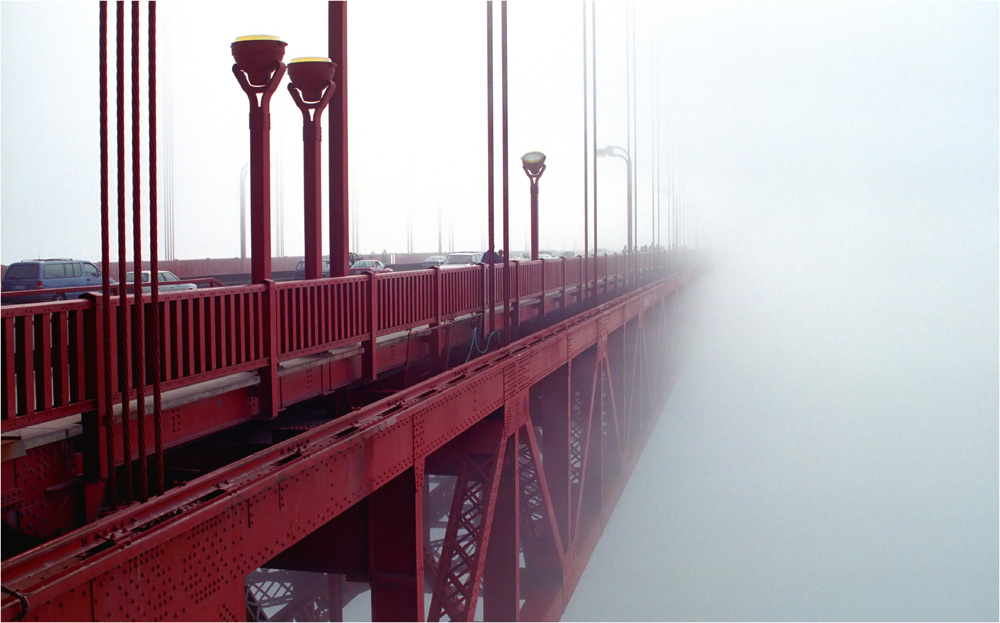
[45, 361]
[53, 352]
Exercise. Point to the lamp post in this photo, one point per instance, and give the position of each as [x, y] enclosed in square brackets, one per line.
[258, 69]
[533, 163]
[618, 152]
[311, 86]
[243, 211]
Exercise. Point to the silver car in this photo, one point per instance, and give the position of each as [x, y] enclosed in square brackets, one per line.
[465, 258]
[167, 281]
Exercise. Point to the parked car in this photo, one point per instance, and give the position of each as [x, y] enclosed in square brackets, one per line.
[300, 269]
[464, 258]
[50, 273]
[520, 256]
[166, 281]
[369, 266]
[432, 261]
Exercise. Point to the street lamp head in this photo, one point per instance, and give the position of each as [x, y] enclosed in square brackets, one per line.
[311, 75]
[258, 56]
[533, 163]
[604, 151]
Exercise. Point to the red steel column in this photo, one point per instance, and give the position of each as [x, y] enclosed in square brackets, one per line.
[550, 407]
[339, 222]
[501, 581]
[393, 529]
[260, 191]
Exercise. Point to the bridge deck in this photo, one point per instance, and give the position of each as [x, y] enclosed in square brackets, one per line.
[469, 429]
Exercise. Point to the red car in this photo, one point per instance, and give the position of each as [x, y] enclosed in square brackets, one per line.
[369, 266]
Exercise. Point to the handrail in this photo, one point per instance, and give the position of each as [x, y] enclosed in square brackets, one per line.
[213, 332]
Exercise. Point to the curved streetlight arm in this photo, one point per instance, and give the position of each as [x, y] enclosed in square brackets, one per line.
[311, 111]
[614, 151]
[617, 152]
[264, 90]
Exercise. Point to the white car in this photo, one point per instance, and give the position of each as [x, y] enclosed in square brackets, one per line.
[369, 266]
[167, 281]
[465, 258]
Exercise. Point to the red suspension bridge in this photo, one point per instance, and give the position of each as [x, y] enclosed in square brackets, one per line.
[452, 441]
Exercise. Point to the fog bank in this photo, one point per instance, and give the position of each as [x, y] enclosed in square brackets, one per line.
[830, 448]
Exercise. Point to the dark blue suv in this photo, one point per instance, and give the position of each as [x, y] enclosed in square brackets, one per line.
[32, 275]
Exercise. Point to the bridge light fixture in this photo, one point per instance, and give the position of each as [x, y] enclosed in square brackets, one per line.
[311, 75]
[258, 70]
[310, 83]
[614, 151]
[258, 56]
[533, 163]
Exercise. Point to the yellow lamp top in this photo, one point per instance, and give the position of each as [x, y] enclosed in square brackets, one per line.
[258, 38]
[533, 157]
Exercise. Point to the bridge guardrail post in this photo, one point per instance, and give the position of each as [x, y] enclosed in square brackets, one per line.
[270, 391]
[369, 358]
[94, 445]
[438, 307]
[541, 309]
[565, 295]
[515, 313]
[485, 283]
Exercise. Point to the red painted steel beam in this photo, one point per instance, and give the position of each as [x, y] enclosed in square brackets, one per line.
[206, 536]
[339, 219]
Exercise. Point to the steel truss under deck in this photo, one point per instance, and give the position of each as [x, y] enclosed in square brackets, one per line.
[479, 493]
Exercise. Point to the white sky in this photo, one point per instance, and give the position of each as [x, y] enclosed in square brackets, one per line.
[770, 110]
[417, 90]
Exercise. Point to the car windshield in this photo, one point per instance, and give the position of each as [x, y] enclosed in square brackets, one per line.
[363, 264]
[460, 258]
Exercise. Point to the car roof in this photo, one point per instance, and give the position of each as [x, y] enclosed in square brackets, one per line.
[48, 259]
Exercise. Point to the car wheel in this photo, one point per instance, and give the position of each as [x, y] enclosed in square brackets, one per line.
[60, 297]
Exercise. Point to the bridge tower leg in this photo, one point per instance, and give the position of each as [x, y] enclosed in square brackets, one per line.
[394, 528]
[501, 581]
[550, 410]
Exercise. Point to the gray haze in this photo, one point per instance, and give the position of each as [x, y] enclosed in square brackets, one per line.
[830, 451]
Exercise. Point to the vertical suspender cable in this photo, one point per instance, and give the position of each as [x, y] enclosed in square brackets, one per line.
[593, 60]
[108, 415]
[654, 48]
[489, 164]
[124, 373]
[154, 262]
[586, 165]
[628, 112]
[655, 147]
[506, 176]
[138, 335]
[635, 133]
